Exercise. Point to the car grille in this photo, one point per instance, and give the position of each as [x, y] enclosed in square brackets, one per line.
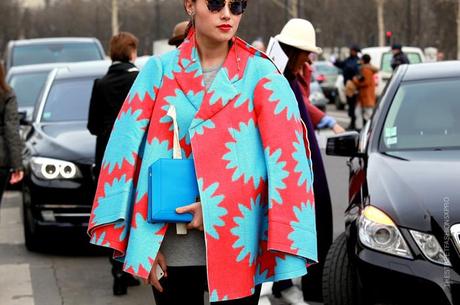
[455, 232]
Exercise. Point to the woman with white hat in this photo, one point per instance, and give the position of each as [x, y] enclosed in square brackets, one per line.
[298, 41]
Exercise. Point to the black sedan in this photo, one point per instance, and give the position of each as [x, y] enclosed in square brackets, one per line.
[402, 226]
[59, 155]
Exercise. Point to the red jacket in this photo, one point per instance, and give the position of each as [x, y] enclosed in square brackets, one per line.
[304, 80]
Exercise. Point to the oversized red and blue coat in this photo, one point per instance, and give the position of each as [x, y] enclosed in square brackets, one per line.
[252, 164]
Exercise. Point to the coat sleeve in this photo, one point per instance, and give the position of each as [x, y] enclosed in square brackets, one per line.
[291, 216]
[95, 115]
[13, 142]
[315, 113]
[110, 219]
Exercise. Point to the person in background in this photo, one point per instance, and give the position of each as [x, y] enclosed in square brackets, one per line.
[298, 41]
[10, 143]
[399, 57]
[320, 120]
[366, 88]
[440, 56]
[107, 98]
[178, 34]
[350, 68]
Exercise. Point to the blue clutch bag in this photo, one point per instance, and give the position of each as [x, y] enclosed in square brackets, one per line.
[172, 184]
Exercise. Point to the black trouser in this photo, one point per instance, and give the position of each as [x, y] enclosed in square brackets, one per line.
[351, 101]
[281, 286]
[187, 285]
[117, 266]
[4, 176]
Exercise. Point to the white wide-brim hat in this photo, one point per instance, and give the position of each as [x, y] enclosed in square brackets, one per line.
[299, 33]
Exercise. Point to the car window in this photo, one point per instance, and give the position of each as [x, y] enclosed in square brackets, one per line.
[424, 115]
[27, 87]
[68, 100]
[326, 69]
[414, 58]
[56, 52]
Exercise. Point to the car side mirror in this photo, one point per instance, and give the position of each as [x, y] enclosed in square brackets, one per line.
[344, 145]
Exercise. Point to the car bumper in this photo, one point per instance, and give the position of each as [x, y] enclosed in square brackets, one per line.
[418, 281]
[59, 204]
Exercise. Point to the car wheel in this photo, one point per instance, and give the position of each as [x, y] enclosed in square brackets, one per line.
[338, 103]
[31, 233]
[340, 283]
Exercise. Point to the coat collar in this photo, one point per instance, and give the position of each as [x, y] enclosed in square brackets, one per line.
[189, 77]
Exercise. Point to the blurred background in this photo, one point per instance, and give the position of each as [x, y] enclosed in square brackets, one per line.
[422, 23]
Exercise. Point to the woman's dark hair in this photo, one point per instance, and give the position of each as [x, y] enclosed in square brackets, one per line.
[366, 58]
[293, 54]
[187, 30]
[4, 88]
[122, 46]
[190, 24]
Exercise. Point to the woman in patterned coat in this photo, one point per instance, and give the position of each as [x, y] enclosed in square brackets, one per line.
[239, 120]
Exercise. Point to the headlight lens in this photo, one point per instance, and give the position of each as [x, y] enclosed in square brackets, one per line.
[431, 248]
[49, 169]
[377, 231]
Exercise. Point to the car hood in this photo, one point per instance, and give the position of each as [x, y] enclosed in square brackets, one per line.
[418, 190]
[69, 141]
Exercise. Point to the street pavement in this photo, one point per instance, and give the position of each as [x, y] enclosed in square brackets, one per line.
[74, 277]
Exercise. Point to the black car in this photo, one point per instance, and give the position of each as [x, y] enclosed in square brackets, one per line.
[402, 226]
[27, 83]
[59, 155]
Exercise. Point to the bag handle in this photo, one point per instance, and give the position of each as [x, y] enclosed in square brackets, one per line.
[177, 151]
[181, 228]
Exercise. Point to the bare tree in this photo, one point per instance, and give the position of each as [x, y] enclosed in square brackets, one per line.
[381, 21]
[115, 25]
[458, 29]
[294, 8]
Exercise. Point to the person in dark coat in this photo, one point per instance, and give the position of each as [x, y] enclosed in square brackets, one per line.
[107, 98]
[350, 69]
[399, 57]
[10, 142]
[298, 74]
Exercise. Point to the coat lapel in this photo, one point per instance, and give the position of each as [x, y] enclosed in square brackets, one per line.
[190, 75]
[190, 80]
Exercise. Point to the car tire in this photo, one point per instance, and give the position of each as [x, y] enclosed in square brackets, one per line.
[340, 283]
[31, 231]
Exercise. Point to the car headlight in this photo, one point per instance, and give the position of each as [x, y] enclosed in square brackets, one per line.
[50, 169]
[430, 248]
[377, 231]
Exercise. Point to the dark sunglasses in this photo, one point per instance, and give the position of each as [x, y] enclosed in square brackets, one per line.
[237, 7]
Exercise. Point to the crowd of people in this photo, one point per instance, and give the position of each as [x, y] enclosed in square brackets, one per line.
[188, 262]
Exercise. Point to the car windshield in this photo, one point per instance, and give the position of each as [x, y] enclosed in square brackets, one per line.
[424, 115]
[414, 58]
[55, 52]
[68, 100]
[28, 86]
[326, 69]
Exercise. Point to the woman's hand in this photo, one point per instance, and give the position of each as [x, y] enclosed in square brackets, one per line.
[153, 280]
[195, 209]
[16, 176]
